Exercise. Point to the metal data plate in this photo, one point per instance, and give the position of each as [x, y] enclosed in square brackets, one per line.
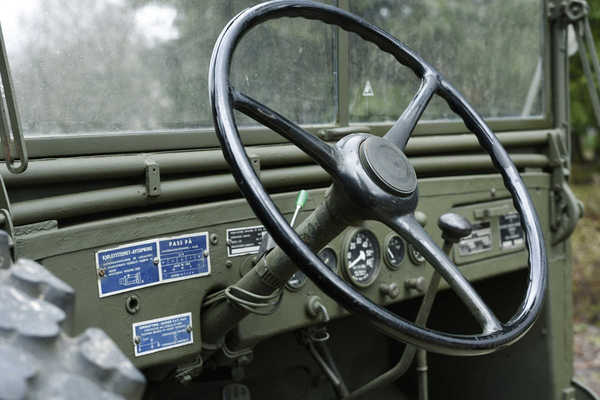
[162, 334]
[152, 262]
[479, 241]
[511, 232]
[496, 230]
[245, 240]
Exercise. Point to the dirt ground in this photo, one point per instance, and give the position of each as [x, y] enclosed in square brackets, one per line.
[586, 286]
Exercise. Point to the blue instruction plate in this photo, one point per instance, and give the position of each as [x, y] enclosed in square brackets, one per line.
[152, 262]
[162, 334]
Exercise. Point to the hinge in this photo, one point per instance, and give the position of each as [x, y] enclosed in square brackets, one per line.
[152, 179]
[569, 11]
[565, 209]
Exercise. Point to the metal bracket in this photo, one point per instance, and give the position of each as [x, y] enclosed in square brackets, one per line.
[565, 209]
[255, 160]
[152, 179]
[568, 10]
[9, 118]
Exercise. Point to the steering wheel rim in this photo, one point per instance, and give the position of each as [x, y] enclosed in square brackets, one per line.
[224, 99]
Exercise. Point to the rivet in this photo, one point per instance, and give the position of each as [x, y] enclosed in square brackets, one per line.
[205, 253]
[156, 261]
[214, 239]
[137, 340]
[228, 264]
[189, 328]
[493, 192]
[101, 273]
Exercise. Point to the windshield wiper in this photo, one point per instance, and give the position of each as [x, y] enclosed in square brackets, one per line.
[13, 143]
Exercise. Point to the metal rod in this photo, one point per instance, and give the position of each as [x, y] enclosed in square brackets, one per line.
[422, 372]
[585, 63]
[12, 124]
[409, 351]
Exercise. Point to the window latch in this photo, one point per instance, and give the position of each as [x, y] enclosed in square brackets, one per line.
[13, 143]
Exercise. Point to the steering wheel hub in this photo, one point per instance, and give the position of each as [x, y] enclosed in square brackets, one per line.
[388, 166]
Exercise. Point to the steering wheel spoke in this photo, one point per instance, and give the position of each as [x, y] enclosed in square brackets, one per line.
[408, 227]
[326, 156]
[404, 126]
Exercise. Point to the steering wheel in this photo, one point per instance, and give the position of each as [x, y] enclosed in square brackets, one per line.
[373, 179]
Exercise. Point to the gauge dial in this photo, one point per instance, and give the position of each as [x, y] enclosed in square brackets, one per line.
[327, 255]
[362, 258]
[394, 251]
[296, 281]
[416, 257]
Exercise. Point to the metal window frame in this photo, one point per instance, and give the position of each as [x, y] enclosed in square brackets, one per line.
[165, 140]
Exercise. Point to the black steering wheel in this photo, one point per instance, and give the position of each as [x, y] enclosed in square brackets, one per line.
[374, 180]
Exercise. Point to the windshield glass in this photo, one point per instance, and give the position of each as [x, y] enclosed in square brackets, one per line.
[490, 50]
[118, 65]
[82, 66]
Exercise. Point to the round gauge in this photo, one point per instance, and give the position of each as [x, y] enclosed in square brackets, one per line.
[296, 281]
[394, 251]
[362, 258]
[327, 255]
[416, 257]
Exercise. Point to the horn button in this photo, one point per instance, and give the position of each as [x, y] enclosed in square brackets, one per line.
[388, 166]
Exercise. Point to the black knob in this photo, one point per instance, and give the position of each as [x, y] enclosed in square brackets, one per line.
[454, 227]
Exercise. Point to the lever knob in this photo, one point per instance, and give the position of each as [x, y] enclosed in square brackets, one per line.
[454, 227]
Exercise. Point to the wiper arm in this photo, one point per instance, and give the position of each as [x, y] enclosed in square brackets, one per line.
[10, 125]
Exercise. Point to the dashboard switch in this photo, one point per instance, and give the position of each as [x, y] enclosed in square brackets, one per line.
[390, 289]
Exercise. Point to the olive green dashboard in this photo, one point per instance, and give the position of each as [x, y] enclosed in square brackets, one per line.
[70, 253]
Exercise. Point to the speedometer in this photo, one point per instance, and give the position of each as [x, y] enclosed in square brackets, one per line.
[361, 258]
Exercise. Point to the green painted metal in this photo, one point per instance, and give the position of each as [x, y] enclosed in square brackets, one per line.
[93, 189]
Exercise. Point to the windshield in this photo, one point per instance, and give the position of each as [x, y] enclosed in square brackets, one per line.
[82, 66]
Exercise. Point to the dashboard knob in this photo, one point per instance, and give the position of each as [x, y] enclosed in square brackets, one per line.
[454, 227]
[417, 284]
[390, 289]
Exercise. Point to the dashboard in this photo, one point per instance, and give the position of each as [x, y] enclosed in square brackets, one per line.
[153, 312]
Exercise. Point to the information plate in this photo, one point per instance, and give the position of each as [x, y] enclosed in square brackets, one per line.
[479, 241]
[162, 334]
[244, 240]
[152, 262]
[511, 232]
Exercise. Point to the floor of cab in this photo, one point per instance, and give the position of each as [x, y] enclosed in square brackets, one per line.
[282, 367]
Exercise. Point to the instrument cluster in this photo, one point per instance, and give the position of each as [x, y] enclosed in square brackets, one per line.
[361, 257]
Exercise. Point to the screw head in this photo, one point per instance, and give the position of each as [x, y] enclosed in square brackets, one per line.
[137, 340]
[101, 273]
[205, 253]
[189, 329]
[228, 264]
[214, 239]
[156, 261]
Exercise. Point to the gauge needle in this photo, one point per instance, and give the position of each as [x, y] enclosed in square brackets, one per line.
[361, 257]
[390, 252]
